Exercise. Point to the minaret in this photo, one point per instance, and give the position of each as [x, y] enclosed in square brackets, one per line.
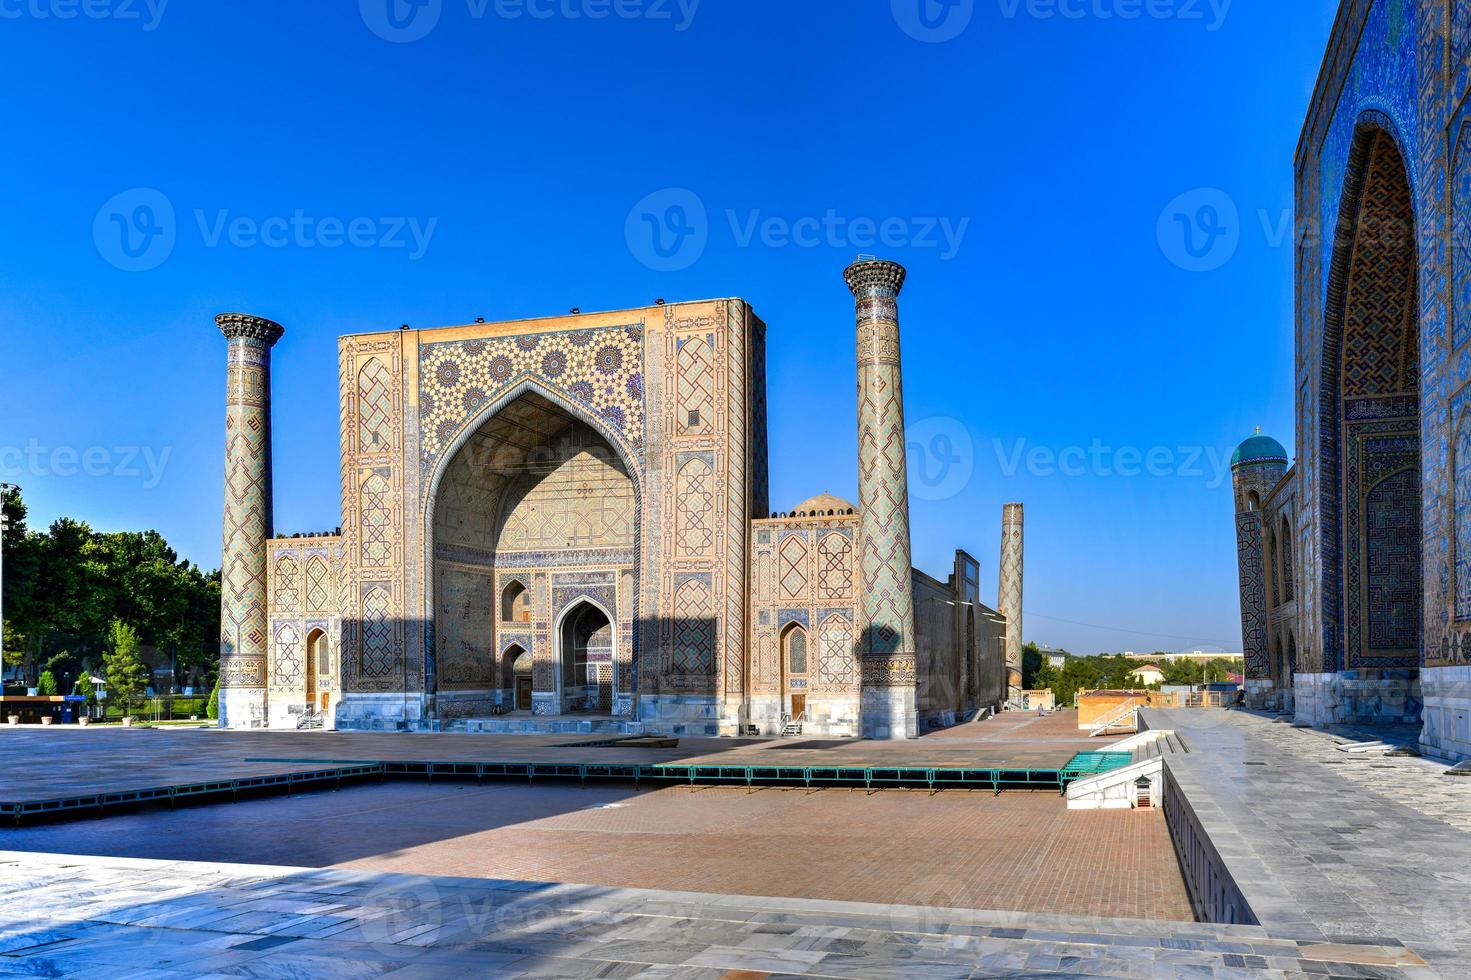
[247, 522]
[887, 649]
[1256, 467]
[1009, 598]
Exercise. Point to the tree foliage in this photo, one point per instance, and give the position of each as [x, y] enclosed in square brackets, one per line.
[126, 675]
[66, 585]
[84, 689]
[1110, 671]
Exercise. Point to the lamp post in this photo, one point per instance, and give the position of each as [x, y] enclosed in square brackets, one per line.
[6, 489]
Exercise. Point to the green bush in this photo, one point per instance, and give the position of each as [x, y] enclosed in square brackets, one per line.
[46, 685]
[212, 710]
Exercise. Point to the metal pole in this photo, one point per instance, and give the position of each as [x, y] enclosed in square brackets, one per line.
[6, 489]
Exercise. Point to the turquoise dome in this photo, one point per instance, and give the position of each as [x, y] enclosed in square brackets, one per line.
[1259, 449]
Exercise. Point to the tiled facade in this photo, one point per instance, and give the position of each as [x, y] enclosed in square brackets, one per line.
[567, 516]
[1377, 539]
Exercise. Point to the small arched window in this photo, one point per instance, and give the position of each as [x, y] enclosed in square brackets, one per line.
[794, 648]
[515, 603]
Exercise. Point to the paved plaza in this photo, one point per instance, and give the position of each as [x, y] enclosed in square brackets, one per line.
[1328, 844]
[1019, 851]
[1347, 863]
[156, 920]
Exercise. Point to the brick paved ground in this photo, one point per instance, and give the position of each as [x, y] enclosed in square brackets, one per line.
[1020, 851]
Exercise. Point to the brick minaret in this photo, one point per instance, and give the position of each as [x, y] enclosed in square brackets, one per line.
[1257, 466]
[247, 519]
[887, 648]
[1009, 598]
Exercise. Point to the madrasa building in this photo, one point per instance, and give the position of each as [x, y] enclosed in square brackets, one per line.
[1355, 562]
[554, 522]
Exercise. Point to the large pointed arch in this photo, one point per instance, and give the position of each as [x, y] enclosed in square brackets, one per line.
[1369, 418]
[528, 387]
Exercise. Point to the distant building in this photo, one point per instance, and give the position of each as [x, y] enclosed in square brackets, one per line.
[1196, 656]
[1149, 675]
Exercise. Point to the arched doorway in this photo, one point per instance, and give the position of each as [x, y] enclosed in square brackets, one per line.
[585, 657]
[795, 667]
[533, 502]
[516, 678]
[318, 666]
[1370, 436]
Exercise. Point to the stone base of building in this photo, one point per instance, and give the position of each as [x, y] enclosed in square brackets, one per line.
[888, 713]
[1357, 697]
[380, 713]
[284, 711]
[685, 714]
[1447, 731]
[242, 708]
[1265, 695]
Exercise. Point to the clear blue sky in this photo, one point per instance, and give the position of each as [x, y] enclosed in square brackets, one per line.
[1066, 316]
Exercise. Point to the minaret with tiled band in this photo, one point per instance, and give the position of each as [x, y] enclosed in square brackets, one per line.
[247, 519]
[1257, 466]
[887, 647]
[1009, 595]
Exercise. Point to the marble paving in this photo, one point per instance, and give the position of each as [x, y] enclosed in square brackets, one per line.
[1327, 845]
[120, 918]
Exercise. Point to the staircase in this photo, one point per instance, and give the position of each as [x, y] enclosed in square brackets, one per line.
[1125, 715]
[310, 719]
[793, 726]
[1115, 790]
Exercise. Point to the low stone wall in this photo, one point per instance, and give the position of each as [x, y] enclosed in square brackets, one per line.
[1214, 894]
[1357, 697]
[1447, 694]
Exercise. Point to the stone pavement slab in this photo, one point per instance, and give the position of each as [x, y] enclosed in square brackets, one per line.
[1329, 846]
[62, 915]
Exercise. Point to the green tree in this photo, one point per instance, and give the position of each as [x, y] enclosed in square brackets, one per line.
[84, 689]
[126, 675]
[1032, 664]
[46, 685]
[212, 709]
[64, 587]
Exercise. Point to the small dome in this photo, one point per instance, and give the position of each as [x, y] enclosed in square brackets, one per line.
[822, 503]
[1259, 449]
